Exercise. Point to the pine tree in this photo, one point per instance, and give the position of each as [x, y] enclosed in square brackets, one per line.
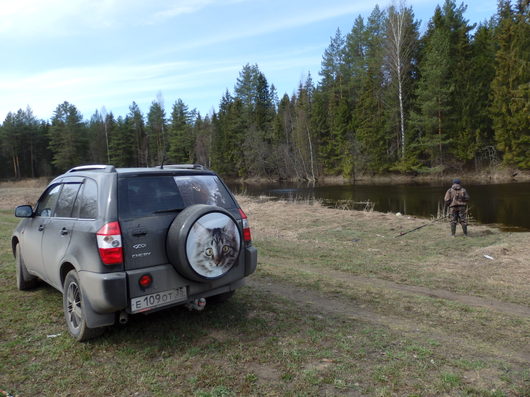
[23, 141]
[229, 134]
[98, 139]
[253, 92]
[121, 141]
[11, 143]
[68, 138]
[203, 132]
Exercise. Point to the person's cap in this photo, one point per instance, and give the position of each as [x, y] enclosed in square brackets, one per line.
[456, 180]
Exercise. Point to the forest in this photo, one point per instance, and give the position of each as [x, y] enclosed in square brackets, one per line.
[387, 100]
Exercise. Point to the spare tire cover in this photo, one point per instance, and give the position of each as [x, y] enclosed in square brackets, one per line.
[203, 242]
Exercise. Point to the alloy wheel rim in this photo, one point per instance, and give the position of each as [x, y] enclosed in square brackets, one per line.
[73, 303]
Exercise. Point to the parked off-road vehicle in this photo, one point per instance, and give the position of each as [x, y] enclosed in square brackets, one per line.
[121, 241]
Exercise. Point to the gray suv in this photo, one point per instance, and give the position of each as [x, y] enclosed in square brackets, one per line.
[121, 241]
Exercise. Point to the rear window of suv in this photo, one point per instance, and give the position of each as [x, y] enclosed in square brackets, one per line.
[147, 195]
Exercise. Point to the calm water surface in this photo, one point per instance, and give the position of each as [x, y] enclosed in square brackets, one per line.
[503, 205]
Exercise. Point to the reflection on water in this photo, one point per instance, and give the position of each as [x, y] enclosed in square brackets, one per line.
[505, 205]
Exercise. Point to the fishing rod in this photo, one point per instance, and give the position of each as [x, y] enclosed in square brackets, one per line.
[419, 227]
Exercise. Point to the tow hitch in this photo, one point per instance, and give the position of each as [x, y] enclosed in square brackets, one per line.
[196, 304]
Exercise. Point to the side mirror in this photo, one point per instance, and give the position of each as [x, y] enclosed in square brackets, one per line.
[24, 211]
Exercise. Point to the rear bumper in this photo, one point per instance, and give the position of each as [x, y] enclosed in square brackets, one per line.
[112, 292]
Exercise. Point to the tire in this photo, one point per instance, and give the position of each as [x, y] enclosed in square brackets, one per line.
[203, 243]
[25, 280]
[215, 299]
[73, 302]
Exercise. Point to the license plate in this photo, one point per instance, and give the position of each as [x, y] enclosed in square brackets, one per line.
[158, 299]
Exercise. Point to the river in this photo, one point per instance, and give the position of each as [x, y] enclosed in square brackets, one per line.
[503, 205]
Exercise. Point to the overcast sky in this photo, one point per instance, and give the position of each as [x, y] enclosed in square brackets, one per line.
[95, 53]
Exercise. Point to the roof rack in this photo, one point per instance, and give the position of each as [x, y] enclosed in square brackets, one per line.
[183, 166]
[93, 167]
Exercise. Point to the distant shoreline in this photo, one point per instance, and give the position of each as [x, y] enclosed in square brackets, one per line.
[500, 175]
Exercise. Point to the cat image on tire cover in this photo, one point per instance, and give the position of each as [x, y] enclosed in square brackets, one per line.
[213, 245]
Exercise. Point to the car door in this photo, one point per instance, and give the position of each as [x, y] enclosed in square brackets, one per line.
[58, 233]
[31, 244]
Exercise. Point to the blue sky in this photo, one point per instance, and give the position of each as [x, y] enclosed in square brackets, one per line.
[109, 53]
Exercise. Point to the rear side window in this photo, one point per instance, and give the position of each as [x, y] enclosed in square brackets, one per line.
[65, 203]
[144, 196]
[86, 204]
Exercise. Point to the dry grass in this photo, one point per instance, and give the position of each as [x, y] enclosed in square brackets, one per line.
[21, 192]
[339, 306]
[372, 235]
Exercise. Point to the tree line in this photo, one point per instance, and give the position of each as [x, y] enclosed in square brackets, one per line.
[388, 100]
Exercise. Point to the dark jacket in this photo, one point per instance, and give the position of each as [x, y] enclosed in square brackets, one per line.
[456, 195]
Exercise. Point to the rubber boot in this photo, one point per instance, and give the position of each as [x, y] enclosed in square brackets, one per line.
[464, 229]
[453, 230]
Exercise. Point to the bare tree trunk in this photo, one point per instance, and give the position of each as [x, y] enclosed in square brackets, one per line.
[14, 166]
[399, 47]
[440, 135]
[104, 118]
[107, 141]
[401, 115]
[32, 160]
[310, 153]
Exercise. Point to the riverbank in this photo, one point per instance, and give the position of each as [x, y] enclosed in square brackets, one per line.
[494, 175]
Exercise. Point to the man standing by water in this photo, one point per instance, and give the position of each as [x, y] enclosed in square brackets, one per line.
[456, 199]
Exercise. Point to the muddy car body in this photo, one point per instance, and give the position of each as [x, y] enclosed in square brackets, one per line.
[121, 241]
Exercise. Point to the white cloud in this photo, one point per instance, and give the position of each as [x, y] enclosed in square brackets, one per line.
[103, 84]
[55, 18]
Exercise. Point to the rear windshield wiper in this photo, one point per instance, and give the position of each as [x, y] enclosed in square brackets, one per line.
[168, 210]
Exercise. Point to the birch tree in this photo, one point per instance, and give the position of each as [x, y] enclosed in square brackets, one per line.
[400, 43]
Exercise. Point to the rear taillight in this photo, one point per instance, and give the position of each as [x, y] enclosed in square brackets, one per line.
[246, 228]
[109, 244]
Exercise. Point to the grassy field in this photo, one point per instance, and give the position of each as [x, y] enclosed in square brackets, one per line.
[339, 306]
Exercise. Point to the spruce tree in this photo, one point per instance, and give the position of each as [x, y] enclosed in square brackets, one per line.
[329, 104]
[478, 122]
[511, 86]
[157, 133]
[180, 134]
[141, 143]
[433, 93]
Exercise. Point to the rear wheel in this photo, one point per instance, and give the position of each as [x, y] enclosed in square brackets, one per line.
[73, 304]
[24, 279]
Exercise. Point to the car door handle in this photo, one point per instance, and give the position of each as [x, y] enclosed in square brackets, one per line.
[41, 228]
[64, 231]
